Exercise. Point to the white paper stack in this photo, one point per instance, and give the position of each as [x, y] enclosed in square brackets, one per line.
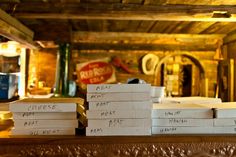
[55, 116]
[192, 100]
[225, 118]
[186, 118]
[157, 93]
[119, 109]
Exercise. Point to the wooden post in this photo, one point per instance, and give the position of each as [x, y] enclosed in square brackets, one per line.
[206, 87]
[231, 80]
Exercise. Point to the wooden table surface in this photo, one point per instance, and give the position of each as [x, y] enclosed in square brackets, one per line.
[119, 146]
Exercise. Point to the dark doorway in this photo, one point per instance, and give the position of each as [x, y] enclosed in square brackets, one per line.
[187, 80]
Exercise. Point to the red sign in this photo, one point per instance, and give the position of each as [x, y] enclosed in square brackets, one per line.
[95, 73]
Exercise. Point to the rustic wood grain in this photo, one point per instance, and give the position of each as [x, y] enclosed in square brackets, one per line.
[127, 15]
[12, 29]
[230, 38]
[147, 47]
[163, 146]
[197, 27]
[160, 16]
[145, 26]
[219, 27]
[79, 36]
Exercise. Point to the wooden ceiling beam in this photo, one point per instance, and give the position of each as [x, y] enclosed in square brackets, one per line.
[52, 32]
[78, 37]
[117, 5]
[15, 23]
[146, 47]
[10, 1]
[159, 8]
[229, 38]
[12, 29]
[153, 41]
[206, 17]
[123, 11]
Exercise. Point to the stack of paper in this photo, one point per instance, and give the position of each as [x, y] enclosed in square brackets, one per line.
[54, 116]
[119, 109]
[157, 93]
[191, 100]
[182, 119]
[225, 118]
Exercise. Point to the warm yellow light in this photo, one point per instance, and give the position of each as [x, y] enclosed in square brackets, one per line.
[176, 68]
[1, 117]
[218, 55]
[10, 49]
[4, 115]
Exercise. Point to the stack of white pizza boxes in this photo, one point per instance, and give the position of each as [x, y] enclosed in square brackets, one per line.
[118, 109]
[225, 118]
[192, 115]
[157, 94]
[53, 116]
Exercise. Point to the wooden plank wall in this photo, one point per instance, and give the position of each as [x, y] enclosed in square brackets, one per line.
[42, 64]
[42, 67]
[133, 60]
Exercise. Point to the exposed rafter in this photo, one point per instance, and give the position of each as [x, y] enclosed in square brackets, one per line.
[146, 47]
[78, 37]
[207, 17]
[14, 30]
[230, 38]
[144, 41]
[136, 12]
[10, 1]
[73, 7]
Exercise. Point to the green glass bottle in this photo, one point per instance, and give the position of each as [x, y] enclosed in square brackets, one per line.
[62, 83]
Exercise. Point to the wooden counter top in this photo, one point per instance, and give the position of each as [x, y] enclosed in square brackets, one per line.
[119, 146]
[117, 139]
